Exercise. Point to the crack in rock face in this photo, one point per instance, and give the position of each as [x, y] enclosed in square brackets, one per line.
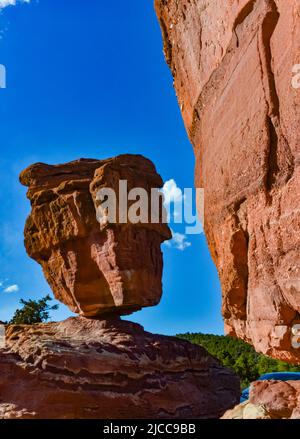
[242, 116]
[95, 269]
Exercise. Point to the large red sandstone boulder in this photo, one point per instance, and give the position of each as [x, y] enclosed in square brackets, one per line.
[269, 400]
[106, 369]
[94, 266]
[232, 64]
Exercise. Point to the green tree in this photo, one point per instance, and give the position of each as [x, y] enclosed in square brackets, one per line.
[239, 356]
[33, 311]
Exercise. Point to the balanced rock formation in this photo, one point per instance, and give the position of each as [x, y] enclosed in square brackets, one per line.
[109, 369]
[94, 265]
[96, 365]
[233, 63]
[269, 400]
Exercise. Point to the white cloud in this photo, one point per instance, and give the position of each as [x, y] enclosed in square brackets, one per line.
[178, 241]
[5, 3]
[172, 192]
[12, 289]
[173, 196]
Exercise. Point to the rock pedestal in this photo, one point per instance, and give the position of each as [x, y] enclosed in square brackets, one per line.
[106, 369]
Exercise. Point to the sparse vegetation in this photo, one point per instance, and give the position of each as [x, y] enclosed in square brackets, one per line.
[33, 311]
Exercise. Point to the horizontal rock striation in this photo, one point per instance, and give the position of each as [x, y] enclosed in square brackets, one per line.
[232, 64]
[107, 369]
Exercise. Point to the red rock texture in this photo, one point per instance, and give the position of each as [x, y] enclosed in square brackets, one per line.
[94, 268]
[105, 369]
[270, 400]
[232, 65]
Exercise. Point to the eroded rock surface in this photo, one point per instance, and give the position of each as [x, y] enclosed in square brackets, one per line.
[106, 369]
[94, 266]
[232, 64]
[269, 400]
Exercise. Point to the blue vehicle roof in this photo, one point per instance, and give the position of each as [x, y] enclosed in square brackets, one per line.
[280, 376]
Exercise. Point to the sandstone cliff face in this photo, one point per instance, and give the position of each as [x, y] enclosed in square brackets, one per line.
[232, 65]
[269, 400]
[105, 369]
[92, 265]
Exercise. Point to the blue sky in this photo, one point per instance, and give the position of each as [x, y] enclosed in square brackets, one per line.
[88, 79]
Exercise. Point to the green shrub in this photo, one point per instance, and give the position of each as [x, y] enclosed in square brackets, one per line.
[33, 311]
